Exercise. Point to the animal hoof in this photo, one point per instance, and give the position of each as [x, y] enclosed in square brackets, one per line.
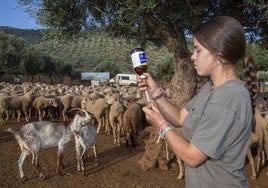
[43, 177]
[24, 178]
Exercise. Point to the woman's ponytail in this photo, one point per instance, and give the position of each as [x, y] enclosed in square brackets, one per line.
[250, 79]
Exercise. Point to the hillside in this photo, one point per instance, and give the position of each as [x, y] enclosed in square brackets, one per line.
[30, 35]
[96, 51]
[93, 50]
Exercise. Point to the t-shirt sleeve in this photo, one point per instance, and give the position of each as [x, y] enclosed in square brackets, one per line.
[190, 104]
[212, 135]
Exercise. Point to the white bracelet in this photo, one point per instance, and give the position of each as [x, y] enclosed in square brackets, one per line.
[165, 130]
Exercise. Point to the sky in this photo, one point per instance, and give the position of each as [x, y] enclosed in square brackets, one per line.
[14, 16]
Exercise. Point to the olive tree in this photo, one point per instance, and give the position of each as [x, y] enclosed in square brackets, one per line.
[33, 62]
[11, 51]
[165, 23]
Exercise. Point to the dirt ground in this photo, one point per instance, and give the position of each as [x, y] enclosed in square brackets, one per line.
[117, 167]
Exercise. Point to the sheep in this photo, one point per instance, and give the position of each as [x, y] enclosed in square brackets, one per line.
[68, 102]
[41, 102]
[262, 120]
[179, 161]
[100, 110]
[132, 119]
[256, 139]
[35, 136]
[16, 103]
[86, 138]
[116, 117]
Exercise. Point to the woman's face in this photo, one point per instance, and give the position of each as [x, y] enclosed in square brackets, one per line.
[204, 61]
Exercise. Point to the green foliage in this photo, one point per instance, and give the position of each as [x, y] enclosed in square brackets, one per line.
[93, 51]
[11, 51]
[260, 55]
[96, 51]
[33, 62]
[144, 20]
[30, 35]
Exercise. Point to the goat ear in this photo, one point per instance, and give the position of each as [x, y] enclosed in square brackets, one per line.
[81, 113]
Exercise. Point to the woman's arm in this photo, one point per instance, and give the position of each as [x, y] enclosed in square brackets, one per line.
[171, 113]
[186, 151]
[183, 149]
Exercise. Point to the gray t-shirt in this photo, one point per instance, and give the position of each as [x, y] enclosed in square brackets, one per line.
[219, 124]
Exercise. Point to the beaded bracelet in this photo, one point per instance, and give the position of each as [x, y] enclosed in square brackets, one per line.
[158, 93]
[161, 125]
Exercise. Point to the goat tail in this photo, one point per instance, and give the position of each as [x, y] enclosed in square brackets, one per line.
[23, 145]
[16, 134]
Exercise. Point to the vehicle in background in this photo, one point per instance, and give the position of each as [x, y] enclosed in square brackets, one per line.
[123, 80]
[95, 78]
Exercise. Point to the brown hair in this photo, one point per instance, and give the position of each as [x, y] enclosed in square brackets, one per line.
[225, 37]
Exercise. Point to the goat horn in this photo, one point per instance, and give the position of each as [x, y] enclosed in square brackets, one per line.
[75, 109]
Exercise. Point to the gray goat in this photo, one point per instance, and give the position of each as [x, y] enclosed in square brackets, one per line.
[45, 134]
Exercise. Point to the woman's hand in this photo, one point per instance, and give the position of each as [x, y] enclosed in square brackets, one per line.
[153, 115]
[149, 83]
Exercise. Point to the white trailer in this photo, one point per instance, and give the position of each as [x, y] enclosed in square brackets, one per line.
[95, 77]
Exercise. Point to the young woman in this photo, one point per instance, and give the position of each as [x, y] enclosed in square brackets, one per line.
[217, 121]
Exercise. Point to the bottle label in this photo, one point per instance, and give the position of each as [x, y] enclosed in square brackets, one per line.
[138, 58]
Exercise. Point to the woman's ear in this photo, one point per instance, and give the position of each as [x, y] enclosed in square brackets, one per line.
[220, 58]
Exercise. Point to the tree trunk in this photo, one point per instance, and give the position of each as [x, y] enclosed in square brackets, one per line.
[183, 81]
[183, 87]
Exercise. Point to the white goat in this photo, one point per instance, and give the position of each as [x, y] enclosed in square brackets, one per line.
[45, 134]
[85, 138]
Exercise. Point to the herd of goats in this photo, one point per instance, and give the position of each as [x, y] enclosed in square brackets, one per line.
[119, 109]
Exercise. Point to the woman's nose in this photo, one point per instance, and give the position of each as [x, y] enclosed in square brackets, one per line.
[193, 56]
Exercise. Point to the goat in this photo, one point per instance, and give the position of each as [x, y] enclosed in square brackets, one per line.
[45, 134]
[86, 138]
